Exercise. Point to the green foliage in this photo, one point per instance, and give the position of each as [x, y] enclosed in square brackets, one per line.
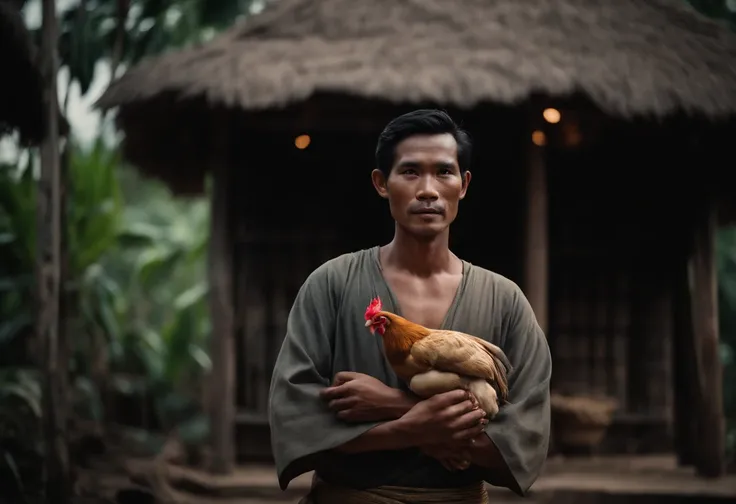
[136, 286]
[89, 30]
[17, 252]
[91, 222]
[159, 265]
[21, 453]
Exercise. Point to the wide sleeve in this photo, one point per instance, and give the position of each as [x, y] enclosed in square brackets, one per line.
[302, 427]
[521, 429]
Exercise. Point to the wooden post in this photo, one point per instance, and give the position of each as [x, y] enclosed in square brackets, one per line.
[685, 372]
[536, 260]
[48, 244]
[710, 444]
[222, 377]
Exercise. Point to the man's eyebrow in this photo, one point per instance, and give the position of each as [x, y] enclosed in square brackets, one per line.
[409, 163]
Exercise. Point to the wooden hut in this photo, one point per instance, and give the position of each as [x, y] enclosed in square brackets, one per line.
[603, 212]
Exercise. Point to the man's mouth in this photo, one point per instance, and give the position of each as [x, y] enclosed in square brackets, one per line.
[430, 211]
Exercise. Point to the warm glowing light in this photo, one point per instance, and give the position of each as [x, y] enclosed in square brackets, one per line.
[551, 115]
[302, 141]
[572, 134]
[539, 138]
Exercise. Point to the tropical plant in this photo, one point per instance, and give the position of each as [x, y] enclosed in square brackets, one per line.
[92, 214]
[160, 266]
[135, 286]
[125, 31]
[17, 252]
[21, 453]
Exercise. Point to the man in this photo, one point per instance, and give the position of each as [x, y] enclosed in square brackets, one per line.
[336, 406]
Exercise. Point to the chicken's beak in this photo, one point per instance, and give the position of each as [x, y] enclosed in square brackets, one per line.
[368, 323]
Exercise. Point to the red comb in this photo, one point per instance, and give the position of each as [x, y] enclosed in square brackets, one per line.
[373, 308]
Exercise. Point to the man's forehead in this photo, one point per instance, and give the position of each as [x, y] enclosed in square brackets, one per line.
[420, 148]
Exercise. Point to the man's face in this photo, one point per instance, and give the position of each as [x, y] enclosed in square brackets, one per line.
[425, 185]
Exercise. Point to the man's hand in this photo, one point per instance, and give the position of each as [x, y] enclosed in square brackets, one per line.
[451, 419]
[356, 397]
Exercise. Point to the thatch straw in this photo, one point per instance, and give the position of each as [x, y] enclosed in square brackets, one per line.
[630, 56]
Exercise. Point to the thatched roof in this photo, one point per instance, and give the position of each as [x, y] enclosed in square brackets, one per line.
[21, 86]
[629, 56]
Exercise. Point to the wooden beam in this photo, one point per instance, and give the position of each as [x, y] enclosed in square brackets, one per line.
[710, 457]
[222, 378]
[48, 272]
[536, 249]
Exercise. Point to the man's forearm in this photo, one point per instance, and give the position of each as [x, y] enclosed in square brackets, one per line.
[402, 406]
[383, 437]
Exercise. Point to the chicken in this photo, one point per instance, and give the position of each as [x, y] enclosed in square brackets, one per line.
[436, 361]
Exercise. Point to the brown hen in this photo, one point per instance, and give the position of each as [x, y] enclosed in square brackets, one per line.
[436, 361]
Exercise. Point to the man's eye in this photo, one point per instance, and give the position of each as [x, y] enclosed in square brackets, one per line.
[410, 172]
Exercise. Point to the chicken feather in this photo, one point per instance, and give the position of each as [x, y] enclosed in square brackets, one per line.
[463, 354]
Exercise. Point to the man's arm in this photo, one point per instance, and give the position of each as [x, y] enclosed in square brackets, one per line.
[449, 416]
[357, 398]
[518, 436]
[301, 426]
[384, 437]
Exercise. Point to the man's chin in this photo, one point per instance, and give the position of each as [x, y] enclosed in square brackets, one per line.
[427, 231]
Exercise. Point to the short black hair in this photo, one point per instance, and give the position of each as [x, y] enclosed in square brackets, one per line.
[421, 122]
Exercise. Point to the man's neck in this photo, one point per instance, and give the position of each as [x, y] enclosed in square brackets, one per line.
[422, 257]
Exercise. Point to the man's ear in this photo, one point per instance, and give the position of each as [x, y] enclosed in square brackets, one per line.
[379, 182]
[466, 182]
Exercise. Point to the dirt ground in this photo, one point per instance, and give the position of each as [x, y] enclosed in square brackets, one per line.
[119, 477]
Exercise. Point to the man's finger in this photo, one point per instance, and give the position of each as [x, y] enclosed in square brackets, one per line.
[340, 404]
[456, 463]
[452, 397]
[348, 414]
[334, 392]
[447, 465]
[474, 418]
[468, 434]
[457, 410]
[344, 377]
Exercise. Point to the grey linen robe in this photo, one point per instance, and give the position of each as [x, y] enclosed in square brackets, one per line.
[326, 334]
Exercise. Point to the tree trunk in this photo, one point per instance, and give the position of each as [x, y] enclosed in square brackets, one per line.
[48, 243]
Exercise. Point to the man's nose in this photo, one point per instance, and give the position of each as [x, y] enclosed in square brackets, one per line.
[426, 189]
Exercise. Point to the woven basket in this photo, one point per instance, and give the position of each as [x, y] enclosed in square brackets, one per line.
[581, 422]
